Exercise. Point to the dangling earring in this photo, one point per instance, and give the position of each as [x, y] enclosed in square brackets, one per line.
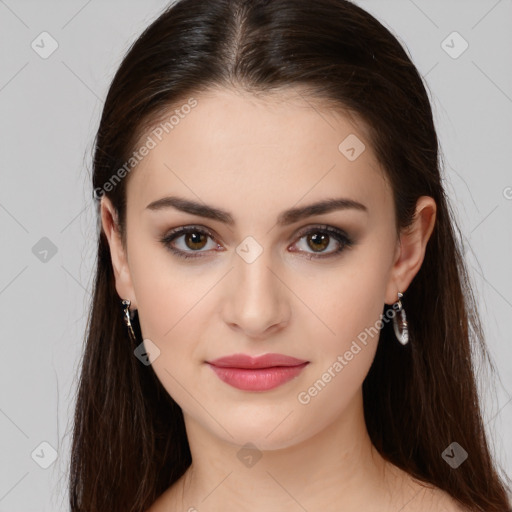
[400, 325]
[128, 316]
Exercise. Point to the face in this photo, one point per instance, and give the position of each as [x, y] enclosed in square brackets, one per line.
[306, 286]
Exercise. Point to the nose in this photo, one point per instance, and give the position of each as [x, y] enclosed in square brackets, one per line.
[257, 303]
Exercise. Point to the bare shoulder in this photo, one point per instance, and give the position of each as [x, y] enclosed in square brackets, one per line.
[157, 506]
[164, 503]
[415, 495]
[443, 502]
[428, 498]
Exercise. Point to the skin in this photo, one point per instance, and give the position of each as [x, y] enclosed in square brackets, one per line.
[256, 157]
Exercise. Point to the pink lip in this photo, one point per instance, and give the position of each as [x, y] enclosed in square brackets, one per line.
[257, 373]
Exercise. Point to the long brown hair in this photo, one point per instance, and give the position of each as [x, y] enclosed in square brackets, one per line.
[129, 440]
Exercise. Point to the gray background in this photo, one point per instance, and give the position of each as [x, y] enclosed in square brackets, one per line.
[50, 110]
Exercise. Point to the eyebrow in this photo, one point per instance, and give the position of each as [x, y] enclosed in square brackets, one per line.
[285, 218]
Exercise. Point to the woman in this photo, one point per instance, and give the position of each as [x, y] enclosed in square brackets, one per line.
[282, 318]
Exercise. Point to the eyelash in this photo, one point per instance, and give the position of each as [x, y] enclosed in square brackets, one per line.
[344, 241]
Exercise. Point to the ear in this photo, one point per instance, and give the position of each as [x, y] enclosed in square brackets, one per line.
[411, 248]
[109, 221]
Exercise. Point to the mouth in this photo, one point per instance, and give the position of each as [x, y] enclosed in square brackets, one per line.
[261, 373]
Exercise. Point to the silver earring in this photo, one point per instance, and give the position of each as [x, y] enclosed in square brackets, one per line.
[128, 316]
[400, 325]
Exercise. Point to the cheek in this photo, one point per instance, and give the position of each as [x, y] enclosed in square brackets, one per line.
[175, 313]
[342, 360]
[167, 292]
[346, 340]
[349, 303]
[171, 304]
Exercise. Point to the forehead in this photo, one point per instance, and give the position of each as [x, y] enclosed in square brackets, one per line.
[233, 146]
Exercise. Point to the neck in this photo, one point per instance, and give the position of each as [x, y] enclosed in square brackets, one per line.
[336, 465]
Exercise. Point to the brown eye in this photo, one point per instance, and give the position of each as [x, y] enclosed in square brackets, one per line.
[195, 240]
[318, 242]
[319, 239]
